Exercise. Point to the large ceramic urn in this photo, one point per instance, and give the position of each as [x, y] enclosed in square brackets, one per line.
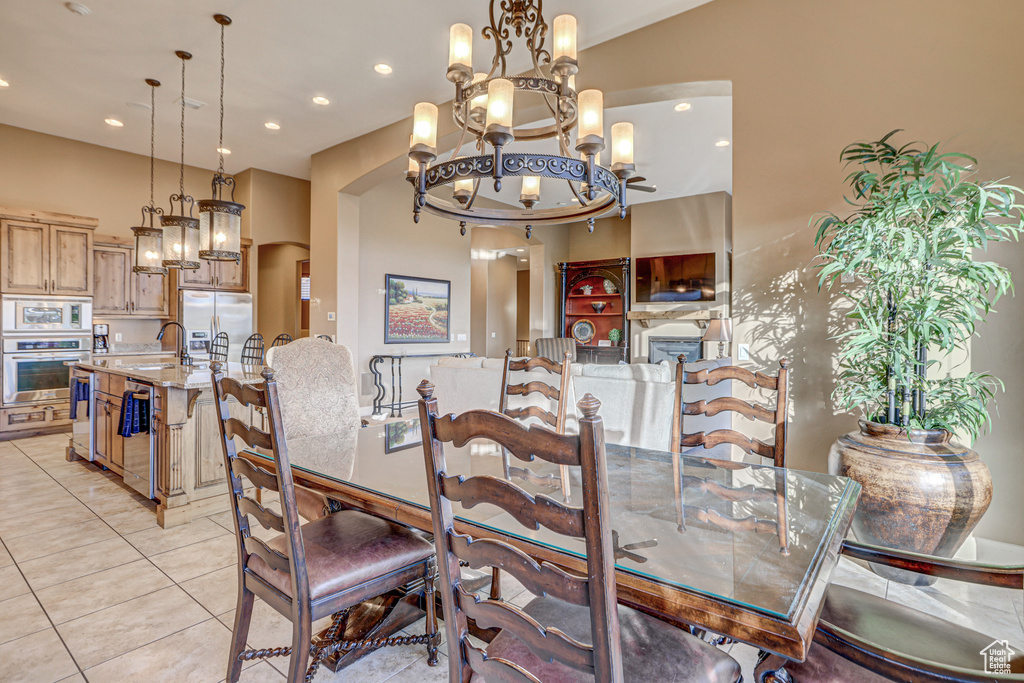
[922, 491]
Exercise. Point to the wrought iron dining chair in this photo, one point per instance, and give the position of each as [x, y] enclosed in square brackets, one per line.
[864, 638]
[576, 631]
[253, 350]
[555, 420]
[281, 340]
[219, 348]
[313, 570]
[325, 337]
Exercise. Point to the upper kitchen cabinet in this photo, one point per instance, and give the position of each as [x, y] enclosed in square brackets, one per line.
[45, 253]
[224, 276]
[119, 292]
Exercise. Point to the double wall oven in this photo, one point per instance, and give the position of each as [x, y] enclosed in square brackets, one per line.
[39, 335]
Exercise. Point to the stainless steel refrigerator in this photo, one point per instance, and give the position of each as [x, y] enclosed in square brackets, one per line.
[218, 312]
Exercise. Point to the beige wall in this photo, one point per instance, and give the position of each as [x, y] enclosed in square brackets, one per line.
[502, 295]
[277, 307]
[523, 305]
[610, 239]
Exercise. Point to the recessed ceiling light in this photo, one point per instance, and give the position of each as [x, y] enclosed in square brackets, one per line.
[683, 106]
[78, 8]
[520, 250]
[722, 143]
[522, 260]
[114, 122]
[322, 101]
[3, 83]
[270, 125]
[223, 150]
[382, 68]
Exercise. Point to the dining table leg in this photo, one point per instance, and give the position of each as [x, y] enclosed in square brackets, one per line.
[771, 668]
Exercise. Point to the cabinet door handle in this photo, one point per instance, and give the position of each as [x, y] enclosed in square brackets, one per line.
[53, 286]
[133, 307]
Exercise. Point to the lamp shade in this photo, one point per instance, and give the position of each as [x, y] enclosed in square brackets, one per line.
[591, 124]
[478, 106]
[460, 48]
[565, 37]
[719, 330]
[500, 92]
[622, 144]
[149, 250]
[181, 242]
[424, 125]
[220, 230]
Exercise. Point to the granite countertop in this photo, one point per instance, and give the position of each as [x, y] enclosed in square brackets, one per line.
[150, 370]
[112, 354]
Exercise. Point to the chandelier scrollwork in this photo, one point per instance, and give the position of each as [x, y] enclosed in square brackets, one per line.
[483, 110]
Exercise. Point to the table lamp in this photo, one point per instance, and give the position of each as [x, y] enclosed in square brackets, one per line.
[719, 330]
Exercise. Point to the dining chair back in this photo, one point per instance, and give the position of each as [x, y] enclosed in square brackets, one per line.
[556, 420]
[596, 591]
[253, 350]
[575, 628]
[777, 416]
[281, 340]
[317, 383]
[219, 348]
[304, 586]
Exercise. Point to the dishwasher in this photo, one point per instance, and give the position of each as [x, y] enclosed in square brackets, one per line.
[140, 449]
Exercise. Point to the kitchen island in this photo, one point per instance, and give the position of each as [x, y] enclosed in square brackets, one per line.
[180, 461]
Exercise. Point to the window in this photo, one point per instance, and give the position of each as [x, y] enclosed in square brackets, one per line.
[304, 288]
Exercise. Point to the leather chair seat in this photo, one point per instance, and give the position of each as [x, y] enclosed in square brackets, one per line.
[651, 650]
[344, 550]
[896, 627]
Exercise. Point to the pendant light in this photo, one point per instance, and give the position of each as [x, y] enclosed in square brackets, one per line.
[149, 239]
[220, 220]
[181, 232]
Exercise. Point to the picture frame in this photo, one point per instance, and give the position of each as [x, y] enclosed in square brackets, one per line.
[400, 436]
[416, 310]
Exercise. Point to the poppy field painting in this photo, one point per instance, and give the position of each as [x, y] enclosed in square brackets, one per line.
[417, 310]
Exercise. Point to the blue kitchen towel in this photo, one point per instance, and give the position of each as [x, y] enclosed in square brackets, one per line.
[79, 392]
[134, 416]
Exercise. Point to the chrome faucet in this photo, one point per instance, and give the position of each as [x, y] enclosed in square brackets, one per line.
[183, 356]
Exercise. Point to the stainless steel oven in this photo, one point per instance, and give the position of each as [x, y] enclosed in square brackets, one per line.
[34, 369]
[57, 315]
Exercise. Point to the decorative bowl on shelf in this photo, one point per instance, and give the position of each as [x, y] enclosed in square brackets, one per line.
[598, 306]
[609, 286]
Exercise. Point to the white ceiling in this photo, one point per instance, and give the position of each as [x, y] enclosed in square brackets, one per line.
[69, 72]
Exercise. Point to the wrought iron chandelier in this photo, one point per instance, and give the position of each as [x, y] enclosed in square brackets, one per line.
[149, 238]
[181, 232]
[220, 220]
[483, 109]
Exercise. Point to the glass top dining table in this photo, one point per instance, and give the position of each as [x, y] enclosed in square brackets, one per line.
[740, 549]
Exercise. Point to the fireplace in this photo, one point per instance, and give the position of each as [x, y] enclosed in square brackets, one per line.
[670, 348]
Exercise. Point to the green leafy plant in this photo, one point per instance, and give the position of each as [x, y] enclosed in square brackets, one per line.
[615, 335]
[910, 244]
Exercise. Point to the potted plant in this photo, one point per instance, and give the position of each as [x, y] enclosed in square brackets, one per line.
[615, 335]
[916, 297]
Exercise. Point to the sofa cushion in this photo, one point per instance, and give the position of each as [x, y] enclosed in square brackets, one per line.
[641, 372]
[451, 362]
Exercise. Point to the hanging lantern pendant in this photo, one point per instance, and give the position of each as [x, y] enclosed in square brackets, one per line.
[149, 239]
[181, 231]
[220, 220]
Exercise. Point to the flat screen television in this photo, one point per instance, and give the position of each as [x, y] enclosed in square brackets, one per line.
[680, 278]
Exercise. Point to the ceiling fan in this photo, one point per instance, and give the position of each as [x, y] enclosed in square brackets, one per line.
[633, 184]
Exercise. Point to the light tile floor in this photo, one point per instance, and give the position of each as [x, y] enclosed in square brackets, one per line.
[91, 589]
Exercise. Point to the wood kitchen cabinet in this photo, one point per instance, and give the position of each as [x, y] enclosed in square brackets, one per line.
[119, 292]
[45, 253]
[224, 276]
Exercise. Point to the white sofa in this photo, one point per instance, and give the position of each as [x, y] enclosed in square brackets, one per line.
[637, 400]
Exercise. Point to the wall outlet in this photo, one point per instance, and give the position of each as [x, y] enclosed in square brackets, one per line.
[494, 335]
[117, 336]
[743, 352]
[461, 336]
[331, 316]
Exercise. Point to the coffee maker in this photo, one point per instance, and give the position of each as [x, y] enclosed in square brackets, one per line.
[99, 338]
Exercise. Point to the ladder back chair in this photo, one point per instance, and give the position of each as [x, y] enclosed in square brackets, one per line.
[865, 638]
[281, 340]
[309, 571]
[555, 420]
[576, 631]
[253, 350]
[742, 497]
[219, 348]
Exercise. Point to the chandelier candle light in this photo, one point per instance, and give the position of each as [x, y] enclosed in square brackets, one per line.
[181, 232]
[149, 239]
[484, 108]
[220, 220]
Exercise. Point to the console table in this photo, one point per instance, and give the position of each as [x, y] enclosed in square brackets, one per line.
[397, 404]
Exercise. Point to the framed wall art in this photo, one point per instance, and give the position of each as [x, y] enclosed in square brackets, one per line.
[416, 310]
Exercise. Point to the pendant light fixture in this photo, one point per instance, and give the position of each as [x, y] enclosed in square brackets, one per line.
[220, 220]
[149, 250]
[181, 232]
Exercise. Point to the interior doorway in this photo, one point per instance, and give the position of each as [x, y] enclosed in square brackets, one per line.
[279, 300]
